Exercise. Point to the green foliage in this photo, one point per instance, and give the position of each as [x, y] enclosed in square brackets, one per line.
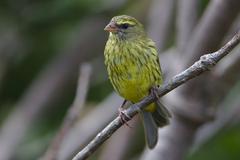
[224, 145]
[44, 26]
[98, 92]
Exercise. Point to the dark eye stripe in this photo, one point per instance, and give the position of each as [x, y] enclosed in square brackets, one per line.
[123, 26]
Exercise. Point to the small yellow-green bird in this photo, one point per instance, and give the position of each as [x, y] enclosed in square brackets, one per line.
[134, 70]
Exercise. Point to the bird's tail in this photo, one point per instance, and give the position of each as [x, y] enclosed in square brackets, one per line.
[161, 115]
[153, 120]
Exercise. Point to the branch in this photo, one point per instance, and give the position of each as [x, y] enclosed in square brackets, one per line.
[226, 74]
[160, 21]
[210, 31]
[234, 28]
[224, 119]
[116, 147]
[88, 126]
[50, 84]
[72, 114]
[187, 16]
[230, 65]
[205, 63]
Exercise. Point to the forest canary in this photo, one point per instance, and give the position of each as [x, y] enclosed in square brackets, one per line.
[134, 70]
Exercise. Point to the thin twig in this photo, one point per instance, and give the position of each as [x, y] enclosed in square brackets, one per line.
[73, 112]
[205, 63]
[211, 28]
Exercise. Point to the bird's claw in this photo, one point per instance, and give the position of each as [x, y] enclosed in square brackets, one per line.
[154, 91]
[124, 117]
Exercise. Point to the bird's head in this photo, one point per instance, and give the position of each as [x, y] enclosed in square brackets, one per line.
[125, 27]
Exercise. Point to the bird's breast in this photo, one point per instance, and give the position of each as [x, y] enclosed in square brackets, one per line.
[128, 72]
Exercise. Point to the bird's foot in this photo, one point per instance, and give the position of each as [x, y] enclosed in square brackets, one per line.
[154, 91]
[124, 117]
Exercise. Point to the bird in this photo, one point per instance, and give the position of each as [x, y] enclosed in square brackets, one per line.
[133, 67]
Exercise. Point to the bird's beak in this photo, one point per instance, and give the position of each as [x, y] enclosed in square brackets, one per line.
[111, 27]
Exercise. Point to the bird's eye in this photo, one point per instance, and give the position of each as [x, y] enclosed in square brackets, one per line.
[124, 26]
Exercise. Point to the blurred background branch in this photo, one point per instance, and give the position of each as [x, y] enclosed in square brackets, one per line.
[160, 22]
[49, 87]
[72, 142]
[187, 18]
[73, 112]
[43, 43]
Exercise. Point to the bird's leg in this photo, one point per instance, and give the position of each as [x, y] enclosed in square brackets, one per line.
[154, 91]
[124, 117]
[123, 104]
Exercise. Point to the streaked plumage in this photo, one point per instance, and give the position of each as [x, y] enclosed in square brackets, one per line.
[133, 67]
